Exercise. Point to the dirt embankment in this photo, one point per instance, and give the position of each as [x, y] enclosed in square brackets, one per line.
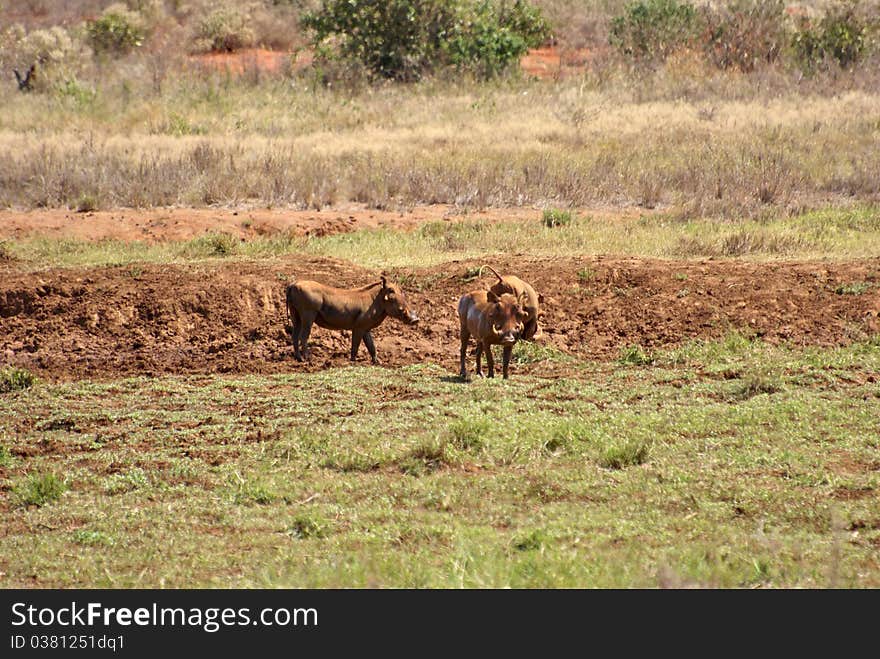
[230, 317]
[170, 224]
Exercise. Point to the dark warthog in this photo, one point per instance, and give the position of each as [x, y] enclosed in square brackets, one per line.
[359, 310]
[518, 288]
[490, 319]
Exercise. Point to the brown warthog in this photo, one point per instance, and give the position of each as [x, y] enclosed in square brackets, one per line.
[517, 287]
[490, 319]
[359, 310]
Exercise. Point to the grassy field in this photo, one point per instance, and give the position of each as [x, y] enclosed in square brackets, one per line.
[730, 463]
[722, 464]
[841, 233]
[723, 152]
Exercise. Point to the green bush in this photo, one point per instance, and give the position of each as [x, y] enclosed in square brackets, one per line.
[651, 30]
[405, 39]
[744, 33]
[40, 489]
[118, 30]
[554, 217]
[15, 379]
[841, 36]
[225, 28]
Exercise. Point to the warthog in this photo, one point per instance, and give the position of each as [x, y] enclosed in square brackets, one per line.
[359, 310]
[517, 287]
[490, 319]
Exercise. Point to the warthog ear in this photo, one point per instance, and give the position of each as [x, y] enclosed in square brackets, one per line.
[492, 297]
[384, 281]
[540, 298]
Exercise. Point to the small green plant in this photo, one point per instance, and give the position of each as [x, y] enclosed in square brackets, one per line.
[86, 203]
[529, 352]
[586, 274]
[92, 538]
[212, 244]
[635, 355]
[15, 379]
[134, 479]
[629, 453]
[853, 288]
[651, 30]
[754, 384]
[40, 489]
[533, 541]
[471, 274]
[427, 457]
[555, 217]
[5, 457]
[305, 526]
[117, 31]
[257, 493]
[470, 434]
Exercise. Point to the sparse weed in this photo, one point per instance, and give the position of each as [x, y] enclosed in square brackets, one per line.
[625, 454]
[305, 526]
[635, 355]
[40, 489]
[470, 433]
[15, 379]
[555, 217]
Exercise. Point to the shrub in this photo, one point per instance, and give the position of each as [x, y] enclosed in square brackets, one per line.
[841, 36]
[554, 217]
[470, 433]
[224, 28]
[305, 526]
[56, 55]
[117, 31]
[15, 379]
[651, 30]
[744, 33]
[405, 39]
[635, 355]
[618, 456]
[40, 489]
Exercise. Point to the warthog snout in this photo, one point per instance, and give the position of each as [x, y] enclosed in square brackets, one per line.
[412, 318]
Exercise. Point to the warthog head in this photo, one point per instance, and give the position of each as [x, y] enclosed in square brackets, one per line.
[394, 303]
[506, 317]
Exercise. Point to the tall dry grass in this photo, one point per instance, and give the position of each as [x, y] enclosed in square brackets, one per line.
[737, 151]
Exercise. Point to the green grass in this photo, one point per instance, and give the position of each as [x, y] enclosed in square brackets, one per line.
[841, 233]
[722, 463]
[39, 489]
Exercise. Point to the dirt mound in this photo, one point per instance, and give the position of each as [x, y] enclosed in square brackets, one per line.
[167, 224]
[153, 319]
[555, 63]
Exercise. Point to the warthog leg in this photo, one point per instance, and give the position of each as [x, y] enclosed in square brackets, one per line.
[506, 359]
[465, 337]
[479, 359]
[305, 331]
[490, 361]
[371, 347]
[356, 337]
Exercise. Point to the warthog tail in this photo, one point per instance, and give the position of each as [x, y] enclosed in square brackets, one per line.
[489, 267]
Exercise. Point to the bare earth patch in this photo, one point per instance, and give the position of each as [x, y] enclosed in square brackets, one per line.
[230, 316]
[168, 224]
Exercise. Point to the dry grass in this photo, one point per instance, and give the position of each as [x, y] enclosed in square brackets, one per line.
[507, 144]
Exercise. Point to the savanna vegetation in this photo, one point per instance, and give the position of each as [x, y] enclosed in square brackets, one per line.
[722, 131]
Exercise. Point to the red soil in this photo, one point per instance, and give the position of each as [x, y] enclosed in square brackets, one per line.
[230, 317]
